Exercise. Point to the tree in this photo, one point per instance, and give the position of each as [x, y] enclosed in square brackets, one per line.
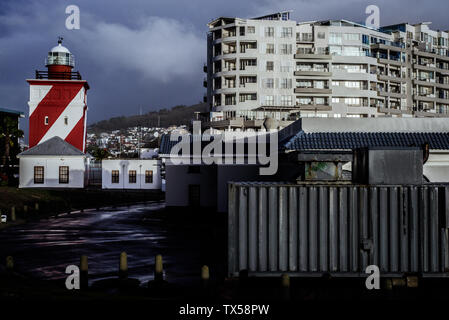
[9, 144]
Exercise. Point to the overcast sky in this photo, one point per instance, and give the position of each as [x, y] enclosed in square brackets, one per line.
[149, 53]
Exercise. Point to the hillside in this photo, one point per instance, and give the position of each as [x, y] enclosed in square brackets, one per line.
[177, 115]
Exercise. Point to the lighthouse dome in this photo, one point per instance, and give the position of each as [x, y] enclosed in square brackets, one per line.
[60, 55]
[60, 48]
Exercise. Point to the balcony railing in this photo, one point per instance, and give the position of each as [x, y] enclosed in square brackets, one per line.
[58, 75]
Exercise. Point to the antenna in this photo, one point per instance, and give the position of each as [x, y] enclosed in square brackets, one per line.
[60, 39]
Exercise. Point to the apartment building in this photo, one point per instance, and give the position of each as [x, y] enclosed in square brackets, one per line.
[274, 67]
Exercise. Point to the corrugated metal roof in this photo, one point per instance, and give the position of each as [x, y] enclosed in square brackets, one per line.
[53, 147]
[353, 140]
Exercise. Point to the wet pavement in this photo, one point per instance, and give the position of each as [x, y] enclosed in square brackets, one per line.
[43, 249]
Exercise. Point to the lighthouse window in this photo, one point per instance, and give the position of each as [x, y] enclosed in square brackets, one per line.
[46, 120]
[66, 120]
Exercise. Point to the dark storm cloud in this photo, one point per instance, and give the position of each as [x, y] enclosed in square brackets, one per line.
[149, 54]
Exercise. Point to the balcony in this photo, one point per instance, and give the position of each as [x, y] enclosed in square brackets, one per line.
[314, 107]
[325, 90]
[313, 72]
[58, 75]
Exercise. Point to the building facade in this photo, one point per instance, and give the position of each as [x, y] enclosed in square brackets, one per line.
[131, 174]
[53, 164]
[273, 67]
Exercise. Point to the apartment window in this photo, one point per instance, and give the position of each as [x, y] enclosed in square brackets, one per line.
[365, 39]
[285, 68]
[335, 50]
[286, 83]
[335, 38]
[148, 176]
[321, 35]
[286, 32]
[286, 100]
[307, 37]
[352, 101]
[230, 99]
[115, 177]
[132, 176]
[304, 101]
[38, 175]
[270, 48]
[269, 83]
[64, 174]
[351, 36]
[352, 84]
[251, 29]
[351, 51]
[270, 66]
[286, 48]
[247, 97]
[46, 120]
[242, 31]
[269, 32]
[335, 100]
[269, 100]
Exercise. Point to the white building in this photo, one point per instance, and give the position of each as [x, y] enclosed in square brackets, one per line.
[274, 67]
[131, 174]
[52, 164]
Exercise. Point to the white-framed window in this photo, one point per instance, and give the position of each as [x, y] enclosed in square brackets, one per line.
[269, 32]
[335, 100]
[286, 100]
[269, 100]
[287, 32]
[270, 48]
[269, 83]
[321, 35]
[270, 66]
[303, 100]
[285, 48]
[286, 83]
[251, 29]
[351, 36]
[335, 38]
[352, 101]
[352, 84]
[46, 120]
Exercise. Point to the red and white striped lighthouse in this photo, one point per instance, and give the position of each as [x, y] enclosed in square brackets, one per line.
[58, 101]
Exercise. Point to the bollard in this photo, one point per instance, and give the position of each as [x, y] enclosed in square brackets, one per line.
[158, 269]
[205, 276]
[9, 263]
[285, 284]
[84, 273]
[13, 214]
[25, 209]
[36, 206]
[123, 268]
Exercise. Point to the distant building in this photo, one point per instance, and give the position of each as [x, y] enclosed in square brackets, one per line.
[131, 174]
[53, 164]
[307, 144]
[274, 67]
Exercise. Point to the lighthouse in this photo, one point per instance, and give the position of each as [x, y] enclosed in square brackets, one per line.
[58, 101]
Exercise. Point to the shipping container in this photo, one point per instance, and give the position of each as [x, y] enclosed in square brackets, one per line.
[337, 229]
